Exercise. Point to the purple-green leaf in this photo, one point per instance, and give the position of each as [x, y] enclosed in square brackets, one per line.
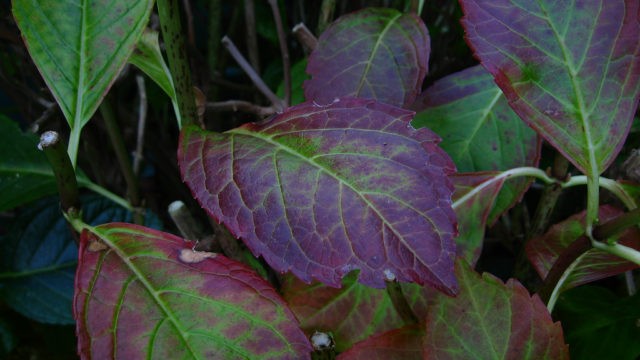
[591, 266]
[473, 199]
[141, 293]
[491, 320]
[570, 69]
[324, 190]
[479, 130]
[351, 314]
[374, 53]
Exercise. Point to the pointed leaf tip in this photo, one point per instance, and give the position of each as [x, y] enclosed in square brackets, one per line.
[323, 190]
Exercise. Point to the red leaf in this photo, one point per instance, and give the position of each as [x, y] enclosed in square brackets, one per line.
[401, 344]
[379, 54]
[595, 264]
[324, 190]
[141, 293]
[351, 313]
[570, 69]
[491, 320]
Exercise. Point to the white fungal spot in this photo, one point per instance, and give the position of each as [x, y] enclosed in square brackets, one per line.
[389, 275]
[192, 257]
[321, 341]
[47, 139]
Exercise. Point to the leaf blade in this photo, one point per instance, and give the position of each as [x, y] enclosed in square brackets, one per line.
[543, 251]
[579, 94]
[79, 49]
[365, 53]
[168, 301]
[338, 165]
[479, 130]
[519, 327]
[351, 313]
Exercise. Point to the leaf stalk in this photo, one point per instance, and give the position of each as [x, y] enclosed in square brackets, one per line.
[63, 171]
[173, 36]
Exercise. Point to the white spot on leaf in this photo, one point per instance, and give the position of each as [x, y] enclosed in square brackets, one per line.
[389, 275]
[192, 257]
[321, 341]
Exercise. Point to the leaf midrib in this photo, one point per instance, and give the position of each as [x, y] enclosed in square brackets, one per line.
[291, 151]
[374, 51]
[104, 236]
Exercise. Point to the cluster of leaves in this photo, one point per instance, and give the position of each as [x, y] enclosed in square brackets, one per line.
[368, 201]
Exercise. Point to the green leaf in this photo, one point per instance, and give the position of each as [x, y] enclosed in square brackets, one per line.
[7, 339]
[38, 256]
[298, 76]
[80, 47]
[599, 324]
[491, 320]
[479, 130]
[141, 293]
[25, 173]
[148, 58]
[351, 313]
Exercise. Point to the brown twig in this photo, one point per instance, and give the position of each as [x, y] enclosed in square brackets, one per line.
[305, 37]
[240, 105]
[252, 36]
[284, 51]
[255, 78]
[113, 130]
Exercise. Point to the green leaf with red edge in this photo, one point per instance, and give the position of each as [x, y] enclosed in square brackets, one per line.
[374, 53]
[569, 69]
[593, 265]
[324, 190]
[402, 344]
[479, 130]
[141, 293]
[351, 313]
[491, 320]
[473, 200]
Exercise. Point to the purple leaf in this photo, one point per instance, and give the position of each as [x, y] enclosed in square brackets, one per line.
[324, 190]
[570, 69]
[491, 320]
[593, 265]
[479, 130]
[141, 293]
[379, 54]
[351, 313]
